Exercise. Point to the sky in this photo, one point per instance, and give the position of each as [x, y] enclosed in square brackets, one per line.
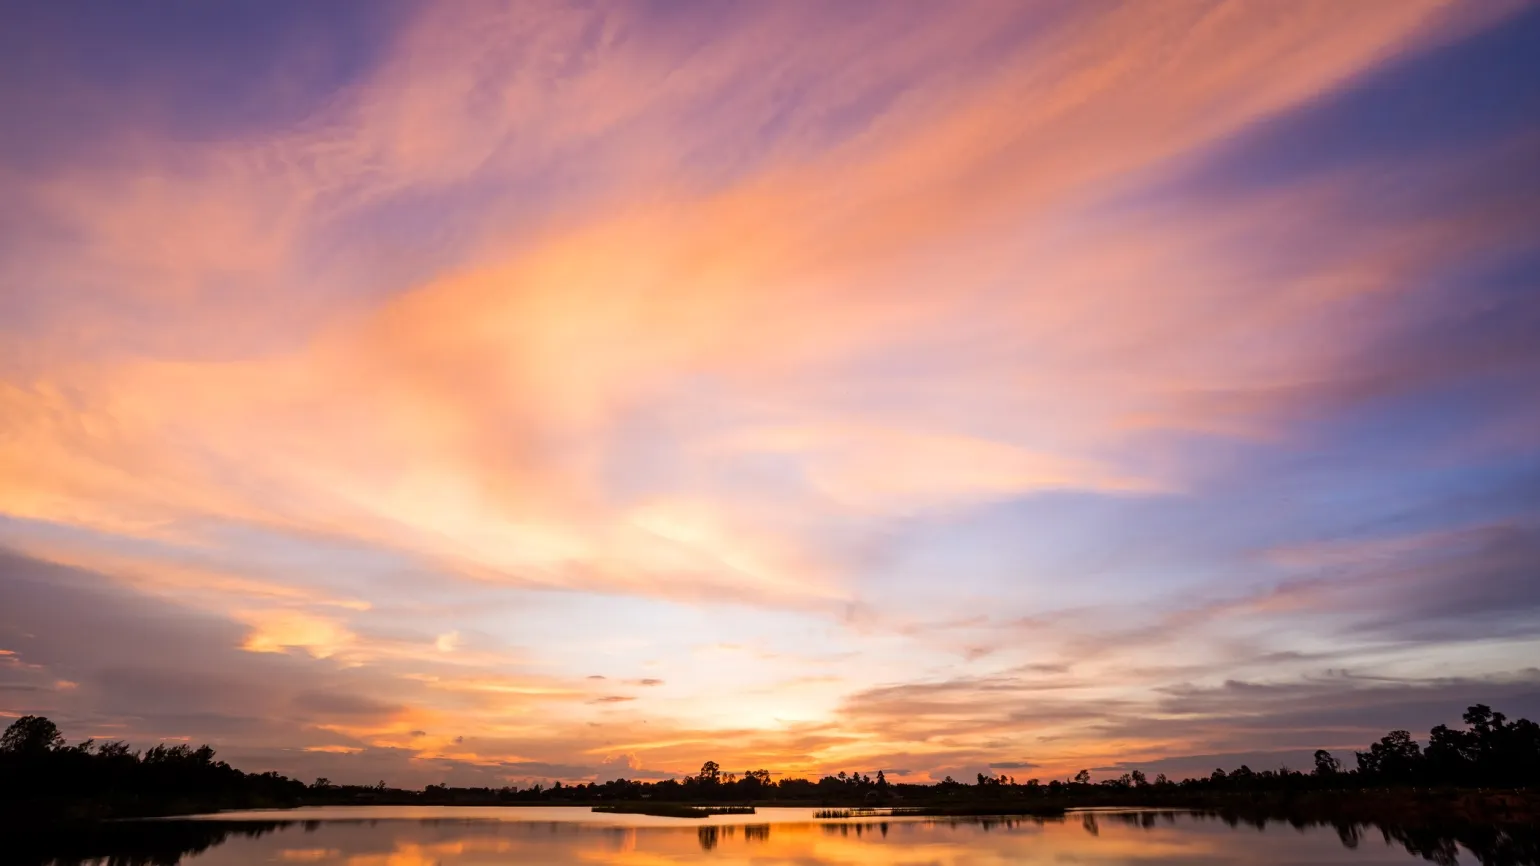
[489, 394]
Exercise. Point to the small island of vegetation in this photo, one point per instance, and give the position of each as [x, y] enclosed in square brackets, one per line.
[673, 810]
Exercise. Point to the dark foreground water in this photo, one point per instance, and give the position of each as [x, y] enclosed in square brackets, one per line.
[407, 836]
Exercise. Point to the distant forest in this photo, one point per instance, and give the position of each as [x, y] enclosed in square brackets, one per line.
[42, 778]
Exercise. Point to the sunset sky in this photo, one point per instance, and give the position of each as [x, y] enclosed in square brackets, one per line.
[486, 394]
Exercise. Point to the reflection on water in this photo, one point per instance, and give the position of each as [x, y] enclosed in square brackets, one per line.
[785, 836]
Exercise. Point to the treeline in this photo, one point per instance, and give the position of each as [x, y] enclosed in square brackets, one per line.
[42, 777]
[44, 780]
[1491, 752]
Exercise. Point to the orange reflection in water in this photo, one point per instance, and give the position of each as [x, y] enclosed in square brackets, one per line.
[1082, 838]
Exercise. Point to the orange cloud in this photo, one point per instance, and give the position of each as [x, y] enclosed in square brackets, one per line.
[283, 630]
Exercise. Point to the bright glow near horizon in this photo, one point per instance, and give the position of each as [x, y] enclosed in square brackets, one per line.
[483, 394]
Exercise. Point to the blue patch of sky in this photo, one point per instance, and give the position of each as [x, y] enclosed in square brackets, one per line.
[205, 70]
[1440, 102]
[1053, 551]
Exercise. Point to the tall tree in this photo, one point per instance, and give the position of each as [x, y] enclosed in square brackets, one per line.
[31, 734]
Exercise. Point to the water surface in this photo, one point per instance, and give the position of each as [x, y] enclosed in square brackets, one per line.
[448, 836]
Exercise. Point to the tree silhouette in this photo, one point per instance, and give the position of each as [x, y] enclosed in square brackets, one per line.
[31, 735]
[1395, 757]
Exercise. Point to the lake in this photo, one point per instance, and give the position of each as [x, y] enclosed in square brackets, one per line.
[450, 836]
